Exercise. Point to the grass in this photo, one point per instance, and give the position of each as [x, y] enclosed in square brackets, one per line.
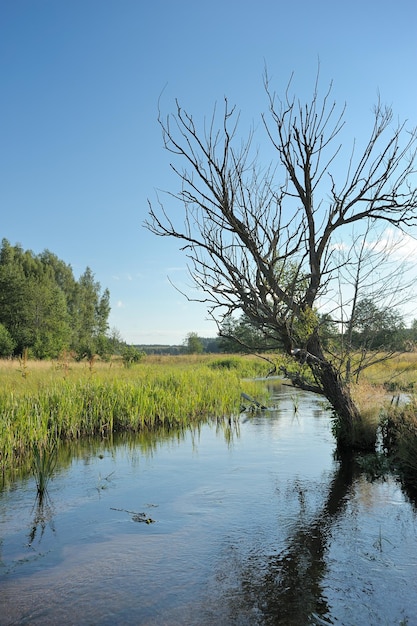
[46, 402]
[399, 430]
[43, 465]
[395, 374]
[65, 400]
[378, 396]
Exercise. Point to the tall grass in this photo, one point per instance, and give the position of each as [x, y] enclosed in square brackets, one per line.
[398, 373]
[399, 430]
[56, 403]
[43, 465]
[386, 396]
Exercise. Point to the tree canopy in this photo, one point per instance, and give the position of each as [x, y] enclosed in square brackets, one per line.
[44, 309]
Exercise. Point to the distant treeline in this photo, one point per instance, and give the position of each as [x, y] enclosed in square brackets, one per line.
[210, 345]
[45, 311]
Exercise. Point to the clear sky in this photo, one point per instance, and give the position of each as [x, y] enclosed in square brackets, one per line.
[80, 147]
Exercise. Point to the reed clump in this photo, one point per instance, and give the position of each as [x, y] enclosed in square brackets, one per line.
[55, 404]
[44, 459]
[399, 433]
[386, 394]
[398, 373]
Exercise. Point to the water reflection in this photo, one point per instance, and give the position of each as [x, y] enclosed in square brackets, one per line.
[255, 523]
[43, 514]
[288, 585]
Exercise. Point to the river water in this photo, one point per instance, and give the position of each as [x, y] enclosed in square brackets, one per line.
[253, 522]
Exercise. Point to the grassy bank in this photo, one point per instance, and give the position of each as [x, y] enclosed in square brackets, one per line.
[387, 399]
[41, 401]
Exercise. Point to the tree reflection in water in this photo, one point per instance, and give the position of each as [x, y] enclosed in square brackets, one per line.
[286, 588]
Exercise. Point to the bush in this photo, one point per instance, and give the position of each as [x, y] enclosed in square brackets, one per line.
[228, 364]
[131, 355]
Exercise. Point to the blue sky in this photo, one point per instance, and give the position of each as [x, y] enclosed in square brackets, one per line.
[80, 147]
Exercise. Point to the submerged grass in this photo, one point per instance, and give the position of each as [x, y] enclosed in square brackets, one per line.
[54, 403]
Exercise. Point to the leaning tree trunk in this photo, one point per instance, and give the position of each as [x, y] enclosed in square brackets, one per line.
[351, 431]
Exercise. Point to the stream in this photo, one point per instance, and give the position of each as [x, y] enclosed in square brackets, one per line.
[247, 522]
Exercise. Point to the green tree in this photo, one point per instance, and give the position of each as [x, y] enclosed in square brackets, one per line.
[47, 319]
[413, 332]
[62, 275]
[377, 329]
[241, 335]
[90, 315]
[45, 310]
[13, 295]
[193, 344]
[7, 343]
[131, 355]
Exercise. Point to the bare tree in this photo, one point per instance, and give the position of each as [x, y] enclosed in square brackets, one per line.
[374, 282]
[262, 241]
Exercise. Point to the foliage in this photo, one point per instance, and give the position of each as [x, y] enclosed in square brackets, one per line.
[193, 344]
[6, 342]
[91, 310]
[45, 309]
[241, 335]
[131, 355]
[375, 328]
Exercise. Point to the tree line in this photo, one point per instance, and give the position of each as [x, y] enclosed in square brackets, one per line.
[372, 330]
[45, 310]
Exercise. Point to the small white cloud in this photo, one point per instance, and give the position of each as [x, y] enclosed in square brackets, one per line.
[120, 304]
[400, 245]
[341, 246]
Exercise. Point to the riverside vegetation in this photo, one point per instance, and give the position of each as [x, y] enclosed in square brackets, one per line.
[43, 403]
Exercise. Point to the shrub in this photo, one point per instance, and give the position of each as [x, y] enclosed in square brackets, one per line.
[399, 433]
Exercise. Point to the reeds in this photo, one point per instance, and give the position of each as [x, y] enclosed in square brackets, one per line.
[399, 431]
[43, 466]
[51, 406]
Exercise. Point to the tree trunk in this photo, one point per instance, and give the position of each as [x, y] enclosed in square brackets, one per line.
[351, 430]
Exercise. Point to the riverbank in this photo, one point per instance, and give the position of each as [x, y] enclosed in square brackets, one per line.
[42, 401]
